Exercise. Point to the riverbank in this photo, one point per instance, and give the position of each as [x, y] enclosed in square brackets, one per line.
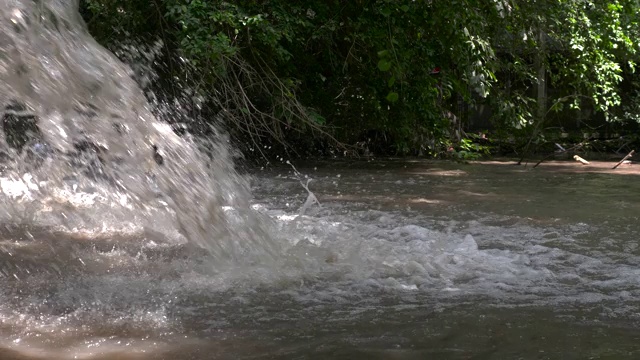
[631, 167]
[570, 166]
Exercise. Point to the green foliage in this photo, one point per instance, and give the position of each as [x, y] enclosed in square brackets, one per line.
[363, 71]
[596, 39]
[470, 148]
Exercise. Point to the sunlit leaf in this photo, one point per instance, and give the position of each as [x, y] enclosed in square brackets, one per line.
[384, 65]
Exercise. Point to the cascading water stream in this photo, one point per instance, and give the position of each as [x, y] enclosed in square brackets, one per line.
[77, 92]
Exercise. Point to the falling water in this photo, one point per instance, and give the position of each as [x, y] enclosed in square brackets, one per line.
[54, 73]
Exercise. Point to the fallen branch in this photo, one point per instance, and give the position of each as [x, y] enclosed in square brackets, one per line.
[547, 157]
[624, 159]
[580, 160]
[624, 145]
[542, 120]
[562, 151]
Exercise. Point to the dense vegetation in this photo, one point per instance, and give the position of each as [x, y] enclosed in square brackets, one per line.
[386, 76]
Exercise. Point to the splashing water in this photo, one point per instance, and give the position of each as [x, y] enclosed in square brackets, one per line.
[79, 96]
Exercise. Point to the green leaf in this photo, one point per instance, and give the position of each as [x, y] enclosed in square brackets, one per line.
[392, 97]
[317, 118]
[383, 53]
[405, 8]
[384, 65]
[391, 81]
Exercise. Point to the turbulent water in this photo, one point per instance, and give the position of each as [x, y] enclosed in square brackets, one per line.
[79, 93]
[108, 253]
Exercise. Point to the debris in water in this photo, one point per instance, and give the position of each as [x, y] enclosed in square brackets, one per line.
[580, 160]
[625, 160]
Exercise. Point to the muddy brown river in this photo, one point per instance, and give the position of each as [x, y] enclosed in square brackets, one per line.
[399, 260]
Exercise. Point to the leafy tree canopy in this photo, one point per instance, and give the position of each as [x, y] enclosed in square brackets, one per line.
[390, 75]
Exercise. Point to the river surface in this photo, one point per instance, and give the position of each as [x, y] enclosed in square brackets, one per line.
[399, 260]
